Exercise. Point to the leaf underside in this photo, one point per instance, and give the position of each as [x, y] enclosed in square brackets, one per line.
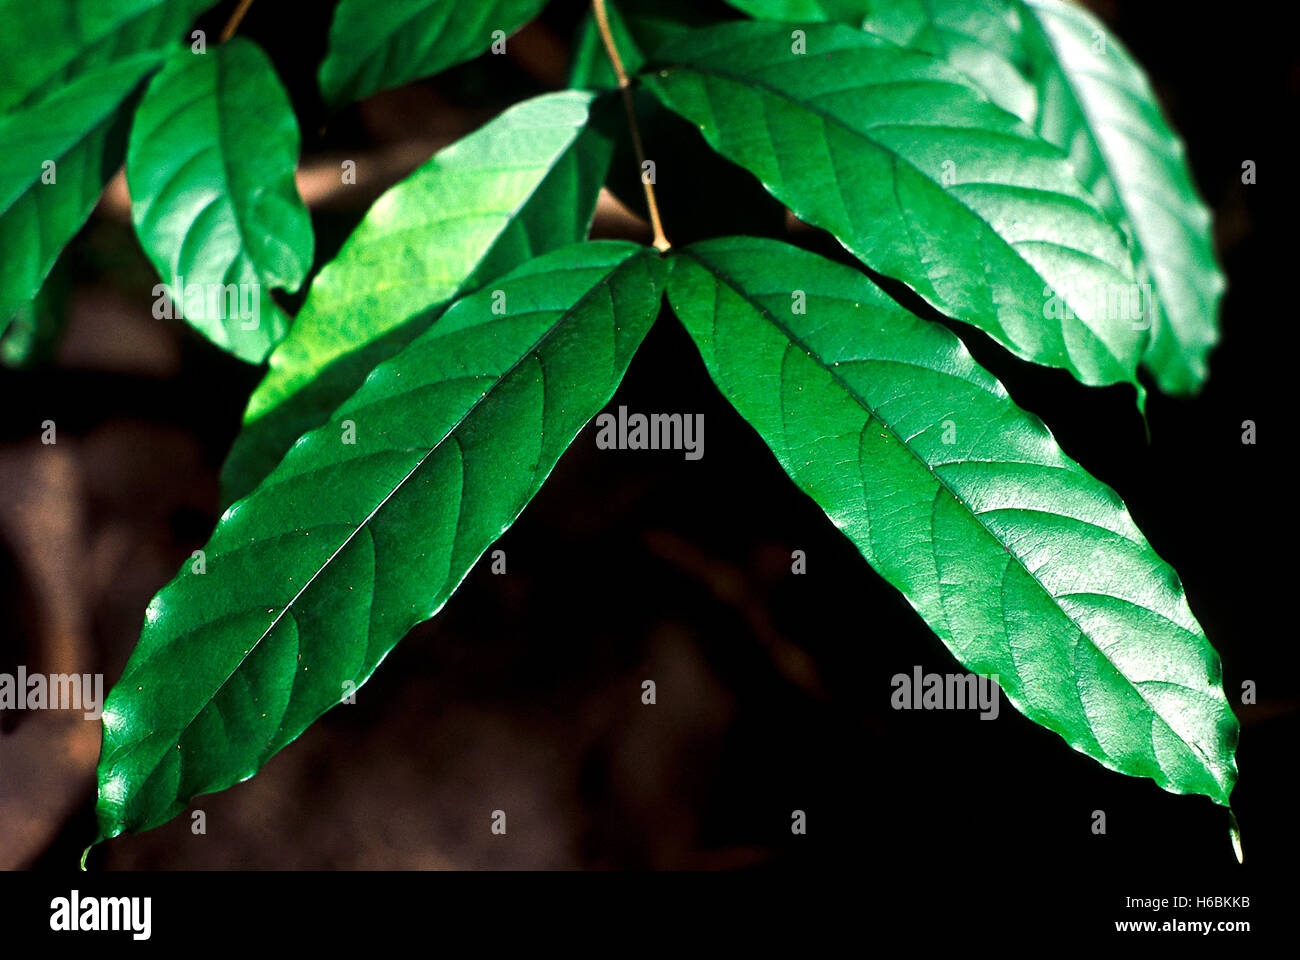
[1024, 565]
[311, 580]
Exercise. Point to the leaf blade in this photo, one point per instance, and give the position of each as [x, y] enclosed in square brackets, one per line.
[225, 208]
[312, 579]
[1136, 165]
[522, 185]
[75, 129]
[46, 45]
[376, 47]
[1023, 564]
[66, 69]
[862, 143]
[1057, 66]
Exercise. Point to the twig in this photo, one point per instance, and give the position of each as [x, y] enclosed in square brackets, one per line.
[233, 23]
[625, 86]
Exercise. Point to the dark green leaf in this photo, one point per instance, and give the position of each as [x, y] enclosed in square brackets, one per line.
[1058, 68]
[32, 335]
[66, 67]
[312, 579]
[1022, 563]
[524, 184]
[210, 167]
[375, 46]
[916, 173]
[71, 137]
[47, 44]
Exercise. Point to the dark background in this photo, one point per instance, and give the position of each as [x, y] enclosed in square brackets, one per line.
[773, 689]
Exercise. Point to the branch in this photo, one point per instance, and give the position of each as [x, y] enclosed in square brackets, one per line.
[233, 23]
[625, 86]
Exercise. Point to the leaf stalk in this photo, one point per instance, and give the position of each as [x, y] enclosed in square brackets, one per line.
[232, 24]
[625, 87]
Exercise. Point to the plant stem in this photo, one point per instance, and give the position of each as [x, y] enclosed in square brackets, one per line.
[233, 23]
[625, 87]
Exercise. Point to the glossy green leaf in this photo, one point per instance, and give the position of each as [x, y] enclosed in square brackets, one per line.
[66, 68]
[367, 527]
[47, 44]
[1058, 68]
[1022, 563]
[981, 38]
[1096, 100]
[523, 184]
[210, 167]
[55, 158]
[375, 46]
[922, 178]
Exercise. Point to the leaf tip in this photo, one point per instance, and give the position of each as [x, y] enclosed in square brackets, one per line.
[1234, 834]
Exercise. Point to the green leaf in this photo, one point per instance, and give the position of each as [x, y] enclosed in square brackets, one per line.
[981, 38]
[1095, 99]
[375, 46]
[524, 184]
[1022, 563]
[811, 11]
[639, 27]
[46, 45]
[31, 336]
[312, 579]
[66, 68]
[210, 166]
[1058, 68]
[923, 179]
[72, 138]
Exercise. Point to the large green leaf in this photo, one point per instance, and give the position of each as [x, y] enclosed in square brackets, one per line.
[1096, 100]
[1024, 565]
[524, 184]
[921, 177]
[210, 166]
[1056, 66]
[72, 137]
[979, 37]
[66, 67]
[45, 45]
[312, 579]
[375, 46]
